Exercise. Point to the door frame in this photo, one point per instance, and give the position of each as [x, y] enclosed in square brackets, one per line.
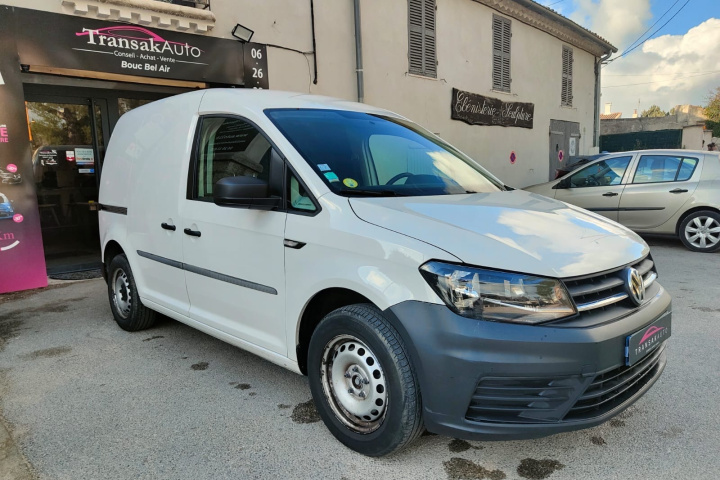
[91, 103]
[71, 94]
[107, 101]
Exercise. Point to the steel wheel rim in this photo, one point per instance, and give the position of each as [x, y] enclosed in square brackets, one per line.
[122, 293]
[703, 232]
[354, 384]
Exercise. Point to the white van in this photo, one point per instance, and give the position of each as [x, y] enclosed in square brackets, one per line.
[410, 285]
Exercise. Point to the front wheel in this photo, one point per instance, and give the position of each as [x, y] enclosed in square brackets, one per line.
[363, 383]
[700, 231]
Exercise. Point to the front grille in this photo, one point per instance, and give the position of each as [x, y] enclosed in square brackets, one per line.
[523, 400]
[603, 297]
[612, 388]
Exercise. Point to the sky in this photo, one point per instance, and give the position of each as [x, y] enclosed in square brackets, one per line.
[679, 64]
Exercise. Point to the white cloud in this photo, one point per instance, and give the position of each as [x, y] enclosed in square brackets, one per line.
[618, 21]
[665, 71]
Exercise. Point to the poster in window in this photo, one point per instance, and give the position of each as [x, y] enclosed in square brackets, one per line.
[84, 156]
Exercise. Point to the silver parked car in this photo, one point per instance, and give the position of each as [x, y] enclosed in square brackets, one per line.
[674, 192]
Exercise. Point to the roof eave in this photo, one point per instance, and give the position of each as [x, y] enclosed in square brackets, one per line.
[551, 22]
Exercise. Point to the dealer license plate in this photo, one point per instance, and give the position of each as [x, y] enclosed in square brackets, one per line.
[642, 342]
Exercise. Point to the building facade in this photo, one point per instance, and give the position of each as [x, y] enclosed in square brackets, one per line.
[512, 83]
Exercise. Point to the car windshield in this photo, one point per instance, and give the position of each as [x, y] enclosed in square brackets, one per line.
[361, 154]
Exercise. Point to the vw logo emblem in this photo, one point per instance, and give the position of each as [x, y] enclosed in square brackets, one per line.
[635, 286]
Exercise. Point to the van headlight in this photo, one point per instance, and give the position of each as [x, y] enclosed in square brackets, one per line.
[498, 296]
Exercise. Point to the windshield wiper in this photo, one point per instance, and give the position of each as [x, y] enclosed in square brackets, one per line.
[359, 192]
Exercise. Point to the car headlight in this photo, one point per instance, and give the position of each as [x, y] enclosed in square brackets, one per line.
[498, 296]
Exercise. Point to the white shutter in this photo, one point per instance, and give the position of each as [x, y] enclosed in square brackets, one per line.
[566, 95]
[501, 53]
[422, 57]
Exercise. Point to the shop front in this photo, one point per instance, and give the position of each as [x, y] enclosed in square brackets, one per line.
[64, 83]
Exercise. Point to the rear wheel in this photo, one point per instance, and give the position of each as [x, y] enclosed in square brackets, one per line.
[363, 383]
[700, 231]
[129, 312]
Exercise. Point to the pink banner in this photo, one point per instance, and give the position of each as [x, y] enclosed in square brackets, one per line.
[22, 260]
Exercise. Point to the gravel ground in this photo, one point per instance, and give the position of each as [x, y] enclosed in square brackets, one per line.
[86, 400]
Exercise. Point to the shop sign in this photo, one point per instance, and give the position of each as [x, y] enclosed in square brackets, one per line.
[256, 66]
[70, 42]
[477, 109]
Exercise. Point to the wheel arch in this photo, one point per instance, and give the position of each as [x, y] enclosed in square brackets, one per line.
[319, 305]
[690, 212]
[111, 250]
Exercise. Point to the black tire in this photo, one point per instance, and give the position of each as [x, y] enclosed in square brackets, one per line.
[694, 224]
[400, 423]
[129, 312]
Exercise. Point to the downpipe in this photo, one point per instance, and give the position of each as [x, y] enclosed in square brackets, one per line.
[596, 126]
[358, 55]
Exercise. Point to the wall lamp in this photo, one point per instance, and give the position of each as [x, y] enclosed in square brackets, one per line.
[243, 34]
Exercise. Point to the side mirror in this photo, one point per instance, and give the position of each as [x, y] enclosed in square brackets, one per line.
[564, 183]
[244, 192]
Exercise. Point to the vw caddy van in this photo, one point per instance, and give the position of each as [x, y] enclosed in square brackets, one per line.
[348, 244]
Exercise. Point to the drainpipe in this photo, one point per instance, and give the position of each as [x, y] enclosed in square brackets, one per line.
[314, 44]
[596, 126]
[358, 55]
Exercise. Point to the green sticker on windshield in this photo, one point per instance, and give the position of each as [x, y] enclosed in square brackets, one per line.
[331, 177]
[349, 182]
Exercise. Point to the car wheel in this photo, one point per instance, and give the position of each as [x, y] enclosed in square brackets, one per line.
[700, 231]
[363, 382]
[129, 312]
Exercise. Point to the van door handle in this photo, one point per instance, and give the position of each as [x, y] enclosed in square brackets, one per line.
[678, 190]
[610, 194]
[192, 233]
[167, 226]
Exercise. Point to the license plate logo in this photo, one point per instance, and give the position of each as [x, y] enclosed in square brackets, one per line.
[640, 343]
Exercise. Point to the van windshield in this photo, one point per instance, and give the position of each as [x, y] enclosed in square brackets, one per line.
[361, 154]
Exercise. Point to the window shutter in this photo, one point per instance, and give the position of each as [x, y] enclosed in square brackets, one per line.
[430, 61]
[501, 53]
[421, 38]
[566, 96]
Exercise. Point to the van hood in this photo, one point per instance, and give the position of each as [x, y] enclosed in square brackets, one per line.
[514, 230]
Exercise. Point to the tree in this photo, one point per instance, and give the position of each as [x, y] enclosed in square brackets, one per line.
[653, 111]
[59, 124]
[712, 111]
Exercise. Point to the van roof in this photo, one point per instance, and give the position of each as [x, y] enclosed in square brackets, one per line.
[259, 100]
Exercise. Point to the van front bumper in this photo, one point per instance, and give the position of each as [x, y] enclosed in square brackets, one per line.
[484, 380]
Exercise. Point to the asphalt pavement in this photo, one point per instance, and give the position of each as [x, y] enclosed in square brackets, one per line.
[83, 399]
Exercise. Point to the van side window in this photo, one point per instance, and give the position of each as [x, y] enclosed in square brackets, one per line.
[298, 198]
[229, 147]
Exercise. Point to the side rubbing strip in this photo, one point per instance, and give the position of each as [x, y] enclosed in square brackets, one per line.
[227, 278]
[113, 209]
[209, 273]
[158, 258]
